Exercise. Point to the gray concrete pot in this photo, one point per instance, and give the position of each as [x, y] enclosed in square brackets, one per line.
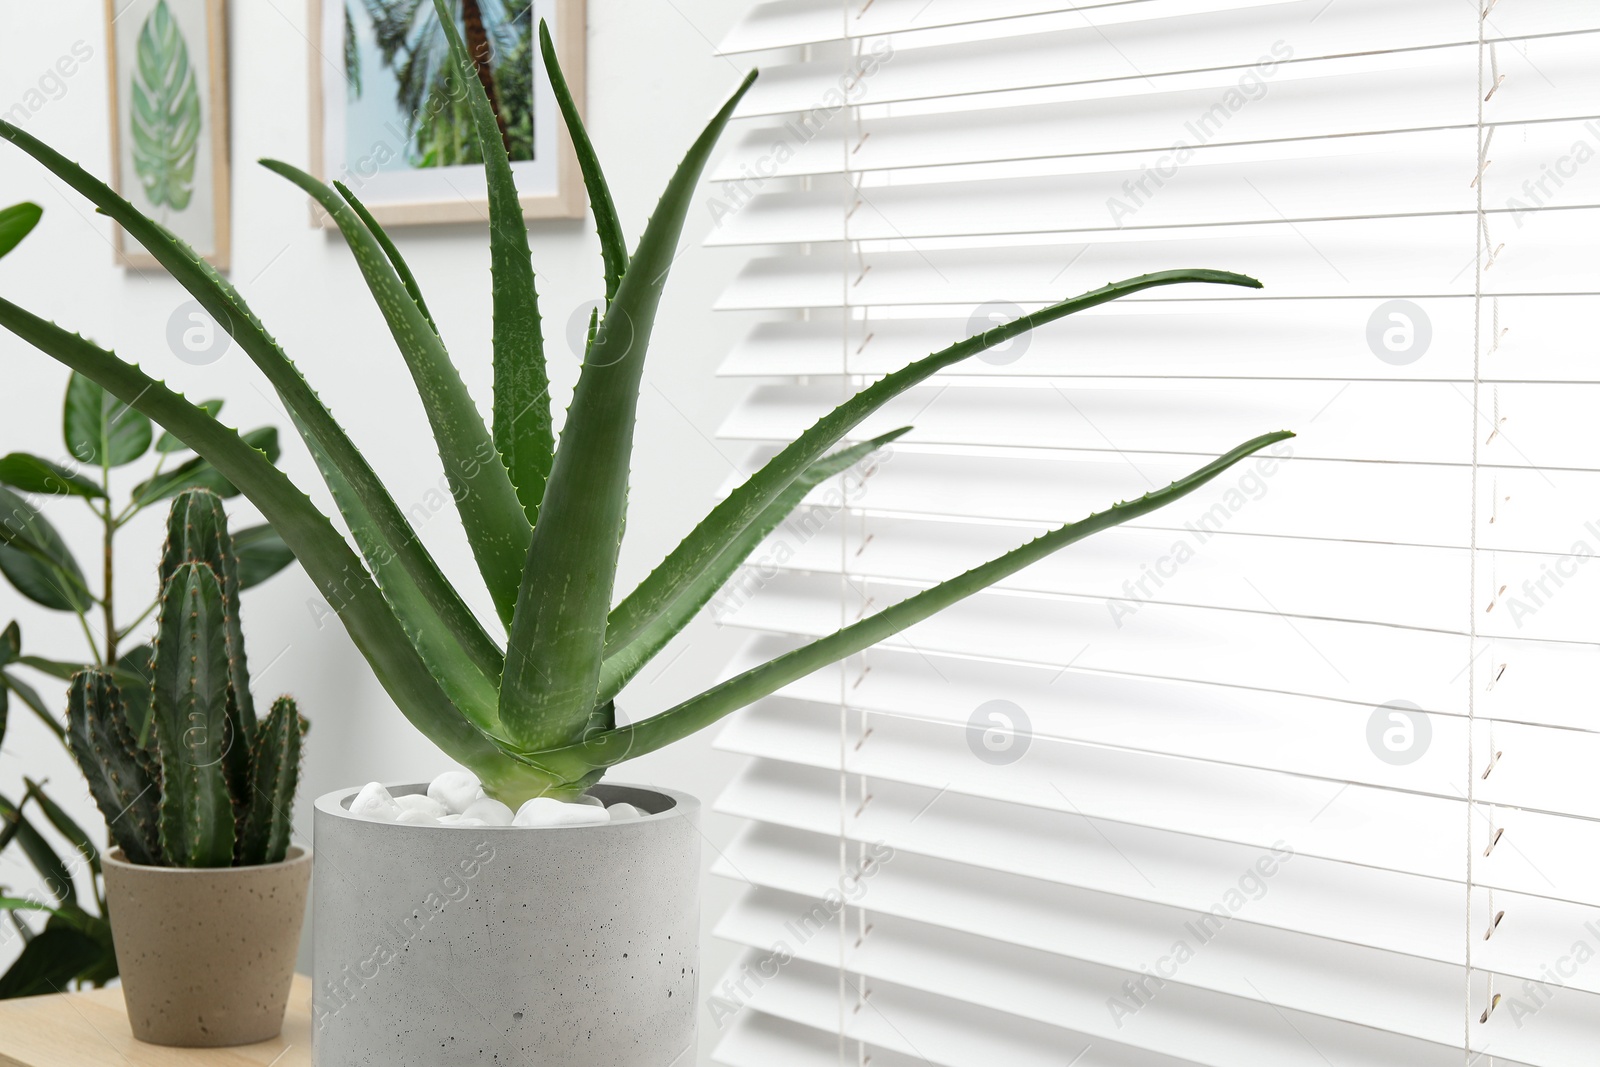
[575, 946]
[206, 953]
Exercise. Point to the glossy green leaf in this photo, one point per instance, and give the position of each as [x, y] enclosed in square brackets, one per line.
[10, 643]
[698, 712]
[722, 527]
[101, 430]
[493, 518]
[56, 874]
[262, 554]
[613, 246]
[64, 824]
[623, 664]
[36, 560]
[523, 431]
[558, 636]
[339, 575]
[30, 697]
[198, 474]
[167, 443]
[16, 222]
[49, 963]
[32, 474]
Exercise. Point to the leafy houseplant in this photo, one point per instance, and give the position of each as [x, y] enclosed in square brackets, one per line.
[105, 441]
[198, 796]
[537, 717]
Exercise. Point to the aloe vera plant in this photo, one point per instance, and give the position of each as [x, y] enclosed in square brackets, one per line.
[537, 717]
[201, 782]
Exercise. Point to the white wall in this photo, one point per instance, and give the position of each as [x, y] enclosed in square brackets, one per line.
[652, 83]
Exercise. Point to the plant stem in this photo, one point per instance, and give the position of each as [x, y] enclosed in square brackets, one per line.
[108, 591]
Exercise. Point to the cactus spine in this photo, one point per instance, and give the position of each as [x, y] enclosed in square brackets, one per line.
[215, 787]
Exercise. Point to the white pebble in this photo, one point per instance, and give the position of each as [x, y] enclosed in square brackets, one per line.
[413, 817]
[548, 811]
[456, 790]
[374, 802]
[489, 811]
[425, 804]
[459, 820]
[624, 812]
[593, 802]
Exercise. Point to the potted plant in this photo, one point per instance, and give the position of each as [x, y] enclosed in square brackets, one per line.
[205, 892]
[568, 938]
[105, 441]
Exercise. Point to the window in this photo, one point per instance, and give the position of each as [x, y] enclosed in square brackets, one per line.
[1298, 771]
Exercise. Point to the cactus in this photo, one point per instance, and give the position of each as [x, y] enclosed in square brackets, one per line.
[210, 786]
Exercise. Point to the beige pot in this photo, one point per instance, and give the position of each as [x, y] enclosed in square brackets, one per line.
[207, 954]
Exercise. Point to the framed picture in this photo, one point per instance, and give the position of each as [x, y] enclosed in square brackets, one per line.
[169, 120]
[389, 119]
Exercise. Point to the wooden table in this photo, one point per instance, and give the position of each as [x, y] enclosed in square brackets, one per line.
[91, 1030]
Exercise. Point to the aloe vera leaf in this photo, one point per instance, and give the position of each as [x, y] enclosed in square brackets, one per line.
[330, 563]
[491, 514]
[523, 431]
[707, 541]
[385, 526]
[613, 246]
[701, 711]
[558, 635]
[121, 775]
[189, 707]
[624, 663]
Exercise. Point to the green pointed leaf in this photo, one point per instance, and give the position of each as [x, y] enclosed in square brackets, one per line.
[50, 962]
[30, 697]
[10, 644]
[198, 474]
[327, 559]
[695, 714]
[167, 443]
[613, 246]
[381, 530]
[56, 874]
[622, 665]
[101, 430]
[34, 475]
[490, 512]
[396, 260]
[16, 222]
[165, 109]
[522, 421]
[36, 560]
[65, 825]
[722, 527]
[262, 554]
[558, 636]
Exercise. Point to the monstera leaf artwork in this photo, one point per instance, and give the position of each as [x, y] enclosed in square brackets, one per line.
[165, 113]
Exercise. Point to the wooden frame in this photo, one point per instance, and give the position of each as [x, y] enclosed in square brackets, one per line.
[214, 127]
[566, 201]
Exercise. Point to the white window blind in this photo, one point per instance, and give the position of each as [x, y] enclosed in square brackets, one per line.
[1298, 771]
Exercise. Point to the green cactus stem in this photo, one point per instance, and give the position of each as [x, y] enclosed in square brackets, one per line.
[122, 777]
[190, 709]
[275, 767]
[197, 532]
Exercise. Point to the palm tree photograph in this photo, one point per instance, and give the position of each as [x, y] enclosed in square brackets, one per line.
[400, 84]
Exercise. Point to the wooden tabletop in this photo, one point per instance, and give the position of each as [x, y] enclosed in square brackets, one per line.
[91, 1030]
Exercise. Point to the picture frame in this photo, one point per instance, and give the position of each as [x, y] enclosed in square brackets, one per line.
[366, 131]
[169, 111]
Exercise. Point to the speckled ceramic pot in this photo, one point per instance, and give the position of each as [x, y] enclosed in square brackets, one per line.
[575, 946]
[207, 954]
